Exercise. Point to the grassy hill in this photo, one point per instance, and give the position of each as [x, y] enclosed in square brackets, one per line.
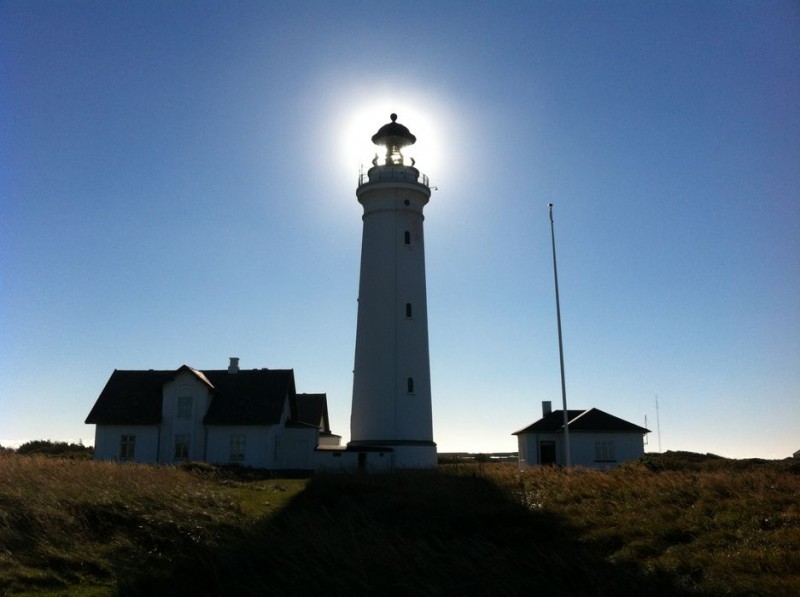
[666, 525]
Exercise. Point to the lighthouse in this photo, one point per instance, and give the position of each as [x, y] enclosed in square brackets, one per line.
[391, 378]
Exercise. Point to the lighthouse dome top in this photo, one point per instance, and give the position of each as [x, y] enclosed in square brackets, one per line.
[393, 135]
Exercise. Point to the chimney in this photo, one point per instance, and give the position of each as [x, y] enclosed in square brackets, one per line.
[234, 365]
[547, 407]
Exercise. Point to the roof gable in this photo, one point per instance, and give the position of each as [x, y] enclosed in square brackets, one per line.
[553, 421]
[593, 419]
[248, 397]
[194, 372]
[313, 409]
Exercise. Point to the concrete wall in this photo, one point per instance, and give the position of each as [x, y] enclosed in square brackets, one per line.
[329, 440]
[107, 440]
[583, 448]
[259, 443]
[297, 448]
[626, 446]
[350, 461]
[272, 447]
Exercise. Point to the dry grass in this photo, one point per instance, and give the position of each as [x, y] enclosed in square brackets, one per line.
[718, 530]
[68, 522]
[666, 526]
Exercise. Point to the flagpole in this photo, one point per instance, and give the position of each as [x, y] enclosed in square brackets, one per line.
[560, 343]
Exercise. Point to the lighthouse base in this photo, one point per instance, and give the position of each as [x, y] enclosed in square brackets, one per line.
[406, 454]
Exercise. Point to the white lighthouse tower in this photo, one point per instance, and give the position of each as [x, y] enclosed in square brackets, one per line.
[392, 381]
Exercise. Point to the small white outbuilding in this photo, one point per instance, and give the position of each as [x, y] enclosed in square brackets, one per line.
[596, 439]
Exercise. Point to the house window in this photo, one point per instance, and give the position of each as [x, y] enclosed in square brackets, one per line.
[408, 310]
[127, 447]
[237, 446]
[182, 446]
[184, 407]
[604, 451]
[410, 385]
[407, 237]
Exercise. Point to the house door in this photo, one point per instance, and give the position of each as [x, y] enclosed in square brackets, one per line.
[362, 461]
[547, 452]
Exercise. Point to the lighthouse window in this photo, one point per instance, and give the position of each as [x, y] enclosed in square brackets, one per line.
[410, 385]
[407, 237]
[408, 309]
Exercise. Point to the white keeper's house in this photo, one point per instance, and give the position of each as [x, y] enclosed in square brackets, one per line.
[250, 417]
[596, 439]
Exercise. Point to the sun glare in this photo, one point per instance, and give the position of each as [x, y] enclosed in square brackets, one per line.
[351, 115]
[363, 120]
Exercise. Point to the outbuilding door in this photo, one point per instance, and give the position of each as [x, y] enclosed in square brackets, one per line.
[547, 452]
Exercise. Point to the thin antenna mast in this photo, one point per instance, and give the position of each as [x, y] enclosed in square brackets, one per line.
[658, 426]
[560, 343]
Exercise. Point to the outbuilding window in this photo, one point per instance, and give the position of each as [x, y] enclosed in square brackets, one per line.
[127, 447]
[604, 451]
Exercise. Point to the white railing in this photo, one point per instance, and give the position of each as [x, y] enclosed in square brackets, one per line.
[400, 173]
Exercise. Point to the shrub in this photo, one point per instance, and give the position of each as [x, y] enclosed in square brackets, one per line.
[58, 449]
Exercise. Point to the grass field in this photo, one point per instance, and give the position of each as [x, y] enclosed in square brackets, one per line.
[673, 524]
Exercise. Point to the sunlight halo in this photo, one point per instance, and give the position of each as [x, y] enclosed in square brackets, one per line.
[363, 117]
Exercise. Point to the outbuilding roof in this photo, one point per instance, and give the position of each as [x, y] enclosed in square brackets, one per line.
[247, 397]
[593, 419]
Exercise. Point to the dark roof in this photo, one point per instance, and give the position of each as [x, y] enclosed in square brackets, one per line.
[313, 409]
[593, 419]
[130, 398]
[554, 421]
[248, 397]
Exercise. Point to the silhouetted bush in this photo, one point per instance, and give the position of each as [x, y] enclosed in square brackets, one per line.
[57, 449]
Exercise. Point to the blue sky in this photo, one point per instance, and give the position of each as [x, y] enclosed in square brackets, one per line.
[177, 185]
